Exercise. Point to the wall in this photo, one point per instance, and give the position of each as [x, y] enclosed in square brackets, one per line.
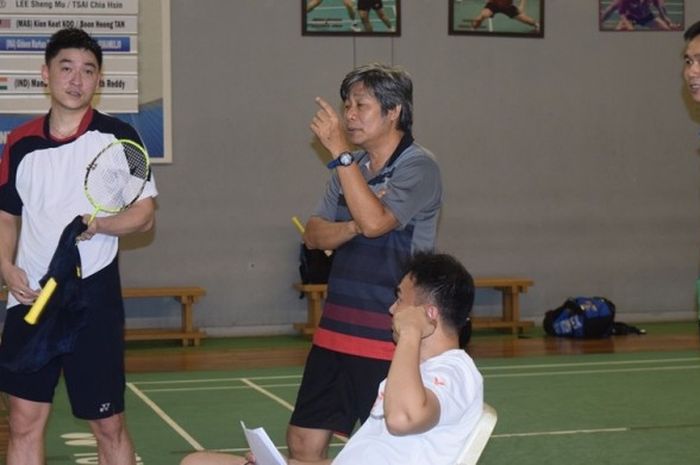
[572, 159]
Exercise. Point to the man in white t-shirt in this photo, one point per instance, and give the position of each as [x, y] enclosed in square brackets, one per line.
[433, 396]
[41, 191]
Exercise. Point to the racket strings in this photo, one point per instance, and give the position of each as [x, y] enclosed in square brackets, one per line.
[117, 176]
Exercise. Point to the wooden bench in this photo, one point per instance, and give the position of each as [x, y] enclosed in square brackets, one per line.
[187, 296]
[510, 289]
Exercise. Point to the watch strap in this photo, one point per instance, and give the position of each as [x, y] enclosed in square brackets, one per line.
[336, 161]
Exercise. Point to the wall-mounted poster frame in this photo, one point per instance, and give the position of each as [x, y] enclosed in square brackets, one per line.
[351, 18]
[154, 118]
[135, 85]
[513, 18]
[641, 15]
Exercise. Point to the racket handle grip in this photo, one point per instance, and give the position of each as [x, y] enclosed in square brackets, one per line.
[297, 223]
[300, 228]
[35, 312]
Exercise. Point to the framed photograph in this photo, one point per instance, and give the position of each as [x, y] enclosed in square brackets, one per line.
[641, 15]
[351, 17]
[517, 18]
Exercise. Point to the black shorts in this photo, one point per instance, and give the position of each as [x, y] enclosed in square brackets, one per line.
[366, 5]
[642, 20]
[94, 371]
[510, 11]
[337, 390]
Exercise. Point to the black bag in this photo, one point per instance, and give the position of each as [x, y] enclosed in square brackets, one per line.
[581, 317]
[314, 265]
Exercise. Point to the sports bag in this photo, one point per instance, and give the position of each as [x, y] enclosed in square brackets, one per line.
[314, 265]
[581, 317]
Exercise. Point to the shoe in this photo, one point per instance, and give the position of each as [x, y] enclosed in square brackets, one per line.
[355, 27]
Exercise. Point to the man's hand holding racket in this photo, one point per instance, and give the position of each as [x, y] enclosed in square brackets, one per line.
[91, 228]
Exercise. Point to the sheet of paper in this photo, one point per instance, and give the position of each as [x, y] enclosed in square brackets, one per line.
[262, 447]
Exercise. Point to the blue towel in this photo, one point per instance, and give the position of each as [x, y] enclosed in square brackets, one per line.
[64, 314]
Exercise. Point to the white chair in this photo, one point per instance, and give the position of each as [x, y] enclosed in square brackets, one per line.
[476, 441]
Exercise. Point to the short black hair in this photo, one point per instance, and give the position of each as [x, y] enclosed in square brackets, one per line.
[692, 32]
[441, 280]
[390, 85]
[72, 38]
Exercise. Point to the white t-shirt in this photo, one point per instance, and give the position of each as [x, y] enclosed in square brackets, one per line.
[458, 385]
[43, 181]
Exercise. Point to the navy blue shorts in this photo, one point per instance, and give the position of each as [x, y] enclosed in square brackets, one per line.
[366, 5]
[94, 371]
[337, 390]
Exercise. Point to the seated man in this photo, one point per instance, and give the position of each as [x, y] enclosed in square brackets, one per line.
[433, 396]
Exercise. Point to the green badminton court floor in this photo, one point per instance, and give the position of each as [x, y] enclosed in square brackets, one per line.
[641, 409]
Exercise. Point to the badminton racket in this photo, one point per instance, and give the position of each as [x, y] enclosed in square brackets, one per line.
[115, 178]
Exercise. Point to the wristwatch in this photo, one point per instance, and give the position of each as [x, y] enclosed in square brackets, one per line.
[344, 159]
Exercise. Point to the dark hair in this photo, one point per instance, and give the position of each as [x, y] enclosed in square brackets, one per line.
[72, 38]
[443, 281]
[392, 86]
[692, 32]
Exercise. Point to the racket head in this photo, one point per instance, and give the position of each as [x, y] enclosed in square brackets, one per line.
[116, 177]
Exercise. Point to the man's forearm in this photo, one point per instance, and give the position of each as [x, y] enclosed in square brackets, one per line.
[138, 218]
[328, 235]
[409, 408]
[404, 387]
[370, 214]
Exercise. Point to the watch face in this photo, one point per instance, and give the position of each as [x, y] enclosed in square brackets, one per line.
[346, 159]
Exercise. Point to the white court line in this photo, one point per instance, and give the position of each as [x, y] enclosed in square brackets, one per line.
[619, 429]
[267, 393]
[497, 375]
[588, 364]
[561, 433]
[483, 369]
[208, 380]
[281, 401]
[166, 418]
[589, 372]
[328, 8]
[217, 388]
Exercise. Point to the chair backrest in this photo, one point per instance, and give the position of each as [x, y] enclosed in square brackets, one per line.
[476, 441]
